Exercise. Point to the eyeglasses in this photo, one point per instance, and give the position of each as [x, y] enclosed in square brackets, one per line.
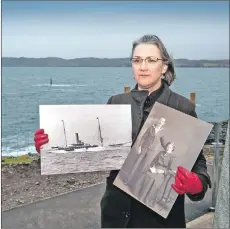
[149, 60]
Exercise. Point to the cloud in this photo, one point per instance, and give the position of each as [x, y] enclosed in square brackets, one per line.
[110, 33]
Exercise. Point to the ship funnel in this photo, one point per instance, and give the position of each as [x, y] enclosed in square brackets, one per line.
[77, 138]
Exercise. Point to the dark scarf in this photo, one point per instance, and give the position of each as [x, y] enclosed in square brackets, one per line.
[150, 100]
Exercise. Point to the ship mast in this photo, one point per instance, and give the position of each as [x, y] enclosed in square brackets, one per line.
[64, 132]
[100, 136]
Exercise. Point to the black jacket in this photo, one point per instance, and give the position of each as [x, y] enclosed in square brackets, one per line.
[118, 209]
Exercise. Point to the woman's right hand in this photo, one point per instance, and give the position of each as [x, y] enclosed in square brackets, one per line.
[40, 138]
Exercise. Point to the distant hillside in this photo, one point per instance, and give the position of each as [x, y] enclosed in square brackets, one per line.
[100, 62]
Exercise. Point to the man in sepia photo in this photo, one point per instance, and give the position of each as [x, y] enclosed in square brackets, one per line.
[148, 137]
[146, 147]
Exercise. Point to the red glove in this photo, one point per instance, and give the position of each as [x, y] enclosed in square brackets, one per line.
[40, 138]
[187, 182]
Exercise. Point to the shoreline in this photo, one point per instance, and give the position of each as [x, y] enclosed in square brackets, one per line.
[121, 66]
[22, 182]
[93, 62]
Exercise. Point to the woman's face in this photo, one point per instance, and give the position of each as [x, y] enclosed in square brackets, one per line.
[169, 148]
[148, 73]
[161, 122]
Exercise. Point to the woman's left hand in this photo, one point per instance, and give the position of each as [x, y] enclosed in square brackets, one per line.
[187, 182]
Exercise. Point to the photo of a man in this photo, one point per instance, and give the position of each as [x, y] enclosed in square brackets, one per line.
[146, 147]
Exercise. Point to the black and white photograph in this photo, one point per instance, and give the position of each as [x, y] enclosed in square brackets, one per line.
[85, 138]
[168, 139]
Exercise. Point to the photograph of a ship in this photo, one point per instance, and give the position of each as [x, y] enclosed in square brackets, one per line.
[85, 138]
[81, 146]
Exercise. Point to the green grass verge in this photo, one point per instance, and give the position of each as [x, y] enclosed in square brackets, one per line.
[17, 160]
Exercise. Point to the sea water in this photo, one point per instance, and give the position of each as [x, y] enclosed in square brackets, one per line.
[24, 88]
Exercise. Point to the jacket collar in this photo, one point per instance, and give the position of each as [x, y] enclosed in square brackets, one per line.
[140, 96]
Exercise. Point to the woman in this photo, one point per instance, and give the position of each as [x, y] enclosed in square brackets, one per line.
[153, 72]
[161, 165]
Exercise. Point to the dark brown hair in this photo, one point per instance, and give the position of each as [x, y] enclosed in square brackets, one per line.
[170, 74]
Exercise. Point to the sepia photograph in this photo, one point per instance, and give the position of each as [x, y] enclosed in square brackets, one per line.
[168, 139]
[85, 138]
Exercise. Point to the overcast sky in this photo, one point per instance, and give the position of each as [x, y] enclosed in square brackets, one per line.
[194, 30]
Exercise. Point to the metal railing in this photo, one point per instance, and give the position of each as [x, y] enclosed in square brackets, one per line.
[192, 94]
[216, 164]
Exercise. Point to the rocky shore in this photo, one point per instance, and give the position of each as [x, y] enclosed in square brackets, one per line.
[223, 132]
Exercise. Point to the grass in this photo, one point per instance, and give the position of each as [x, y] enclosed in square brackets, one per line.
[17, 160]
[210, 149]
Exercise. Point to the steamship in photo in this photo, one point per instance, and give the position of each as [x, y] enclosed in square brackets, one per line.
[81, 146]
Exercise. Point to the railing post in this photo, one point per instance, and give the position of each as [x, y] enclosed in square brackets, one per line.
[193, 97]
[221, 217]
[126, 89]
[216, 164]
